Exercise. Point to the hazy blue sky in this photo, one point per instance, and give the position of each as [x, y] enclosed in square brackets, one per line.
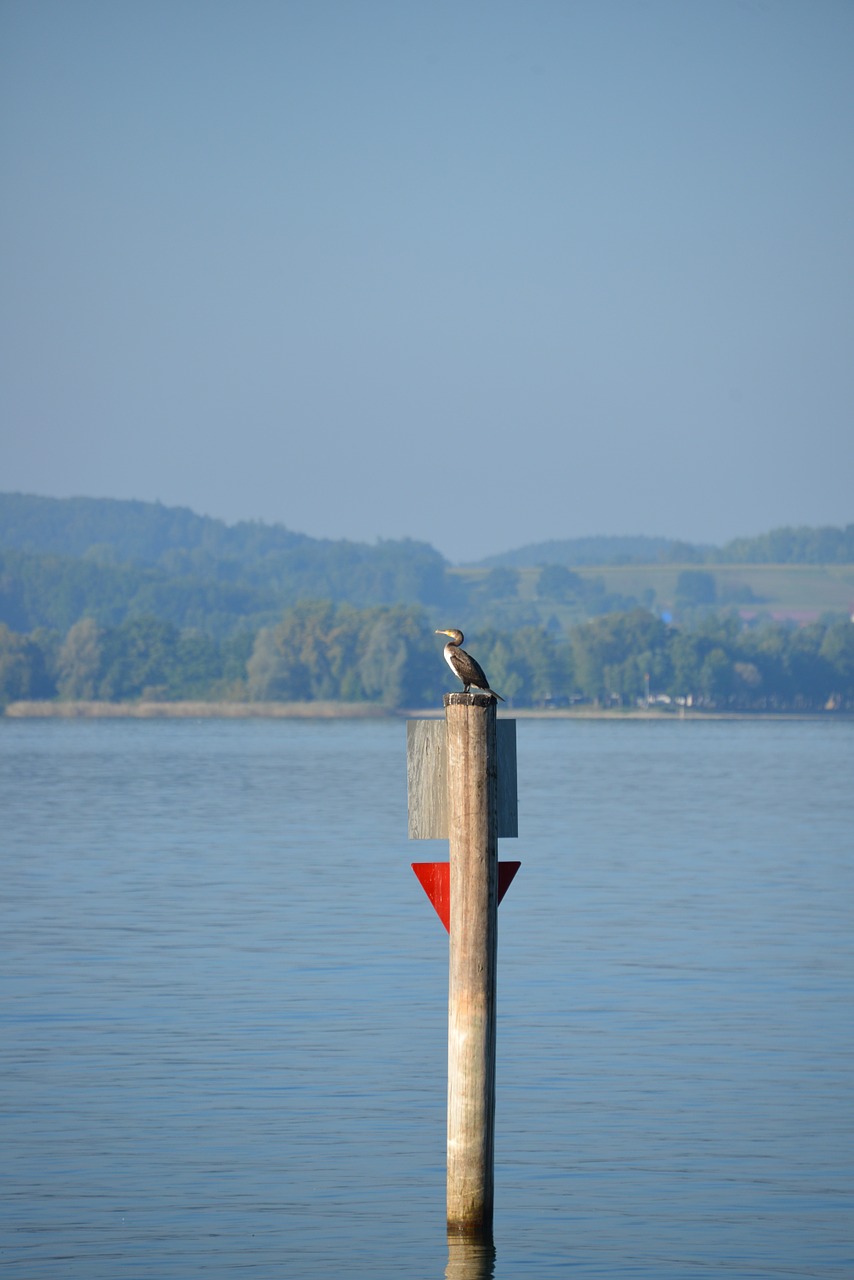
[477, 272]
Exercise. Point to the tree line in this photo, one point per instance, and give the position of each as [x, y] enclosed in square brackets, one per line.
[45, 589]
[389, 655]
[61, 559]
[53, 590]
[803, 545]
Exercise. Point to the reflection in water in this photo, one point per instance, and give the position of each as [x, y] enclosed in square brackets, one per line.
[470, 1259]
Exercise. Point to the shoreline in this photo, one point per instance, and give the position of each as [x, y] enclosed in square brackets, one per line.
[35, 710]
[50, 710]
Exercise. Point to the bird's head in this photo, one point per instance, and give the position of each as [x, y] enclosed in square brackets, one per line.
[456, 636]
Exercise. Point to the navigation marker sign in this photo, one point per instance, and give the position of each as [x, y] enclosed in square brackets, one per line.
[435, 878]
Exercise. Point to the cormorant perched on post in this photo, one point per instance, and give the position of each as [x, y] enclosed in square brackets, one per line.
[464, 666]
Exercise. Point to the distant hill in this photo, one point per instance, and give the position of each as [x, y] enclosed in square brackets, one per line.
[66, 558]
[125, 600]
[125, 532]
[63, 559]
[826, 545]
[577, 552]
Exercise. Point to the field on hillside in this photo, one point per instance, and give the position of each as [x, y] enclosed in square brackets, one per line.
[798, 591]
[797, 587]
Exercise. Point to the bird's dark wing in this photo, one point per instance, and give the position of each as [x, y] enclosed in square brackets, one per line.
[472, 671]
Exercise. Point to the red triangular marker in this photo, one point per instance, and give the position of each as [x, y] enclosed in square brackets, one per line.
[435, 878]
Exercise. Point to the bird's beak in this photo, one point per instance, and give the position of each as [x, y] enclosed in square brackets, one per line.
[442, 633]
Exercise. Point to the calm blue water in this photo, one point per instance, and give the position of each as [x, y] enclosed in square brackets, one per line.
[223, 1026]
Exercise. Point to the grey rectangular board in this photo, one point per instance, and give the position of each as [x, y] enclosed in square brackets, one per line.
[508, 797]
[427, 779]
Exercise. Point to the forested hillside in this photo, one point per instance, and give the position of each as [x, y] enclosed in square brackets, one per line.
[133, 532]
[793, 546]
[576, 552]
[164, 604]
[62, 559]
[55, 591]
[782, 546]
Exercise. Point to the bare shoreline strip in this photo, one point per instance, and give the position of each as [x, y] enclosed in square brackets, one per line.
[368, 711]
[195, 710]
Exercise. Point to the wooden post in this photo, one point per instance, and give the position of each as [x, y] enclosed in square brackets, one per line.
[472, 831]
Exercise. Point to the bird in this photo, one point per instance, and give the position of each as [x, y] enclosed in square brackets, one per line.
[464, 666]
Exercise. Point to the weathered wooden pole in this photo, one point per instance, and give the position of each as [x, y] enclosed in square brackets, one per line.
[473, 836]
[461, 779]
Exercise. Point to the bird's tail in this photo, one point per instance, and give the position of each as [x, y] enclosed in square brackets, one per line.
[496, 695]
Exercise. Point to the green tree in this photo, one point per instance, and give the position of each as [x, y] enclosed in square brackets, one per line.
[807, 673]
[556, 582]
[837, 650]
[686, 657]
[506, 664]
[746, 684]
[501, 583]
[682, 553]
[613, 654]
[696, 587]
[399, 665]
[23, 670]
[549, 664]
[139, 660]
[716, 676]
[382, 667]
[80, 660]
[318, 650]
[196, 667]
[275, 672]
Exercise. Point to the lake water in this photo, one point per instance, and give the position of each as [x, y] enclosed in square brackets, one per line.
[224, 1003]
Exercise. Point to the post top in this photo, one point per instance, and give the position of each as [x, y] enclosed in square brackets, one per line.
[469, 700]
